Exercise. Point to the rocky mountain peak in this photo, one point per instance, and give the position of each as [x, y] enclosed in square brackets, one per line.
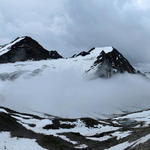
[25, 48]
[109, 63]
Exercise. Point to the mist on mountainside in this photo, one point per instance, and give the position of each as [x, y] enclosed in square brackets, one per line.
[66, 94]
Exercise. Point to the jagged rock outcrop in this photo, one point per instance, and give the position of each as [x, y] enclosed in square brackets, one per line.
[109, 63]
[83, 53]
[25, 48]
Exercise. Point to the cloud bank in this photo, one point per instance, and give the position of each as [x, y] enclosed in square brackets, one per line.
[65, 94]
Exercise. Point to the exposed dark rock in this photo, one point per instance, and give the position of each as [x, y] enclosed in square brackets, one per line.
[11, 76]
[10, 124]
[91, 49]
[111, 63]
[83, 53]
[57, 125]
[89, 122]
[27, 49]
[130, 133]
[32, 125]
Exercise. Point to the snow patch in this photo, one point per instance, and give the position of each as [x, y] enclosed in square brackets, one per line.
[3, 110]
[82, 146]
[100, 139]
[7, 48]
[121, 135]
[143, 140]
[67, 139]
[143, 116]
[6, 142]
[121, 146]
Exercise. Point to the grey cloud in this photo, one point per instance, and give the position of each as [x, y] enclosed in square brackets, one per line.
[116, 23]
[70, 96]
[72, 26]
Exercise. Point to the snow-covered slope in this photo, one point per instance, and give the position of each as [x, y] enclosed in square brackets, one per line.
[111, 62]
[42, 131]
[25, 48]
[12, 52]
[7, 47]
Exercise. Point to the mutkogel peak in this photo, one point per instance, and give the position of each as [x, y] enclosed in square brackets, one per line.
[23, 49]
[111, 62]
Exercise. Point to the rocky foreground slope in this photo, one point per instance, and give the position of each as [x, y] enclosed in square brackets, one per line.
[42, 131]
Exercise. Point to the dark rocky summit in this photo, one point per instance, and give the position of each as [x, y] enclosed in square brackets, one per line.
[26, 49]
[83, 53]
[111, 63]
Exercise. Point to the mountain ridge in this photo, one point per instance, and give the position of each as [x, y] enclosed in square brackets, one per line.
[111, 62]
[107, 61]
[25, 48]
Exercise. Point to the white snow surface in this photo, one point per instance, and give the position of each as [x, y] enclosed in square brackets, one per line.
[6, 48]
[3, 110]
[13, 143]
[79, 127]
[143, 116]
[121, 146]
[104, 138]
[9, 143]
[121, 135]
[82, 146]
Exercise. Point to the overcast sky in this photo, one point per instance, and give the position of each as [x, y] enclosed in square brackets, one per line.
[70, 26]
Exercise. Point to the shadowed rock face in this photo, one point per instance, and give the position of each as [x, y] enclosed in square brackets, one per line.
[27, 49]
[83, 53]
[111, 63]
